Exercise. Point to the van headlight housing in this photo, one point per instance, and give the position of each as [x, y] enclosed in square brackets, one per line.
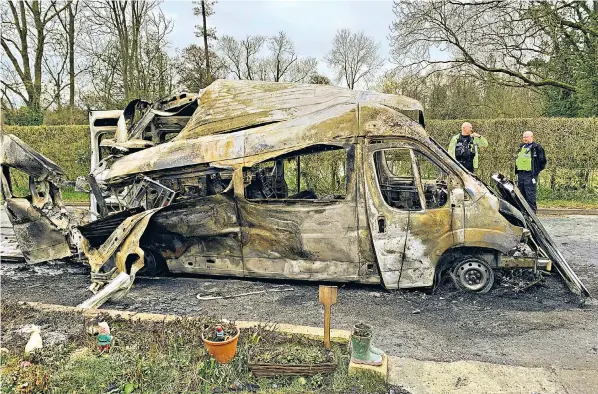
[512, 214]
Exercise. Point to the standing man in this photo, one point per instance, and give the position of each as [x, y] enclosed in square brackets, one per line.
[464, 147]
[531, 159]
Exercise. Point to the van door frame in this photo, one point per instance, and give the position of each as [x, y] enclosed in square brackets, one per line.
[393, 250]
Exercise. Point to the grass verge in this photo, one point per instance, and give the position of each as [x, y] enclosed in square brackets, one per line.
[568, 204]
[70, 195]
[567, 199]
[147, 357]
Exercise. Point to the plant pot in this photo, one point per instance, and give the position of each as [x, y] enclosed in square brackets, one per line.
[223, 352]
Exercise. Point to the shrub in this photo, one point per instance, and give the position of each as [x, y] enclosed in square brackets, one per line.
[570, 144]
[67, 146]
[66, 116]
[23, 116]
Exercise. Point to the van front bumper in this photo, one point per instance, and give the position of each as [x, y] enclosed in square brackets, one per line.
[525, 262]
[522, 256]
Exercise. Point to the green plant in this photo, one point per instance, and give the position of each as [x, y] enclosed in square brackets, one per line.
[570, 145]
[23, 116]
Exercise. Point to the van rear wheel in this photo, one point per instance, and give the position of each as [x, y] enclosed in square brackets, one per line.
[473, 274]
[154, 264]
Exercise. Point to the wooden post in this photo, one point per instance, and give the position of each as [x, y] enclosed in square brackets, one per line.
[327, 298]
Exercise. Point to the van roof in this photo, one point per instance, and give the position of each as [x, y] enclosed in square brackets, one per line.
[248, 121]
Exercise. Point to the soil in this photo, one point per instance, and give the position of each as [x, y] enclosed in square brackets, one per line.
[290, 350]
[229, 330]
[510, 325]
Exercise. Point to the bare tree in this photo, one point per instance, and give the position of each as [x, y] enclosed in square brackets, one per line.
[68, 20]
[156, 71]
[123, 23]
[284, 63]
[204, 9]
[24, 33]
[248, 59]
[516, 40]
[240, 57]
[251, 46]
[232, 55]
[126, 48]
[354, 57]
[283, 53]
[55, 68]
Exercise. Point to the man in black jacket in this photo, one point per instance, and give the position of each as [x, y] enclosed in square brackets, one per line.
[531, 159]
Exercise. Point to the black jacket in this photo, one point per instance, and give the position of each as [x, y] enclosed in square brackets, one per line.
[538, 158]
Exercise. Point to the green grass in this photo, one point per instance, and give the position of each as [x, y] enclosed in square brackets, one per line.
[70, 195]
[152, 357]
[568, 204]
[567, 199]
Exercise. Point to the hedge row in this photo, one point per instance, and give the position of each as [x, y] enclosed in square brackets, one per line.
[571, 146]
[67, 146]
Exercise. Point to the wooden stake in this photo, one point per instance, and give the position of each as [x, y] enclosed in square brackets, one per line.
[327, 298]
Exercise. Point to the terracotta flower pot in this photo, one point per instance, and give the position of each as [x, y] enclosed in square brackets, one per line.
[223, 352]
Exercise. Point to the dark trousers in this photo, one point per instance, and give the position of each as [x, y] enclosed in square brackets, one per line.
[527, 187]
[468, 165]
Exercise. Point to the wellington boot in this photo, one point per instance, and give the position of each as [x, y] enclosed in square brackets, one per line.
[362, 329]
[374, 349]
[361, 353]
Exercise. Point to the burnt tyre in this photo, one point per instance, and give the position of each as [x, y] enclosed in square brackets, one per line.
[154, 264]
[473, 274]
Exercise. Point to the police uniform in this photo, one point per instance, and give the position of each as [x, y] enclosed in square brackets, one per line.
[464, 149]
[531, 159]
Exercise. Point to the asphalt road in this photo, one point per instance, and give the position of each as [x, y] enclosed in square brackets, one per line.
[541, 327]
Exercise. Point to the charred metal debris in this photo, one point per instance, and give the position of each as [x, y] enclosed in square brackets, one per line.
[276, 180]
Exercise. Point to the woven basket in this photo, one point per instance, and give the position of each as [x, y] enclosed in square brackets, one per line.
[271, 369]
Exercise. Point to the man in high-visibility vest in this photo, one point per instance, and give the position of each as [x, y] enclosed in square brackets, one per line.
[530, 160]
[464, 147]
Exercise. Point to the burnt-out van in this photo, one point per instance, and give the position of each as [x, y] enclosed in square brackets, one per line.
[311, 182]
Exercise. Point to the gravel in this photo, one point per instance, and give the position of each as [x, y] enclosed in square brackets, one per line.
[543, 325]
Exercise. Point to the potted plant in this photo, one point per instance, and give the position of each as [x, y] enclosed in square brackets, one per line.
[221, 341]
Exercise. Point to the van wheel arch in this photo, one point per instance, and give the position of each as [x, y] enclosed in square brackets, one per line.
[452, 257]
[154, 264]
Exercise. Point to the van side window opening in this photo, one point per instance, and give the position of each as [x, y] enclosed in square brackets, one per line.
[434, 182]
[202, 184]
[316, 173]
[394, 170]
[149, 193]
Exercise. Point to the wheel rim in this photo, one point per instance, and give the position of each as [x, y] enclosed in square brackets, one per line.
[473, 275]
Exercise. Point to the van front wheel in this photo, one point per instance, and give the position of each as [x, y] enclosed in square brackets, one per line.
[473, 274]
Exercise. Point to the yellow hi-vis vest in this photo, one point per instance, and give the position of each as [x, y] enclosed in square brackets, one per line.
[524, 159]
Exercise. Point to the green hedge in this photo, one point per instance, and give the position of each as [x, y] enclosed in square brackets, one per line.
[67, 146]
[571, 147]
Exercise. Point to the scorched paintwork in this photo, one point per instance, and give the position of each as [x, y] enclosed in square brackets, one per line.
[226, 207]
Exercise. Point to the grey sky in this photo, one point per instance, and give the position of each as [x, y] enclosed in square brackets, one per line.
[310, 24]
